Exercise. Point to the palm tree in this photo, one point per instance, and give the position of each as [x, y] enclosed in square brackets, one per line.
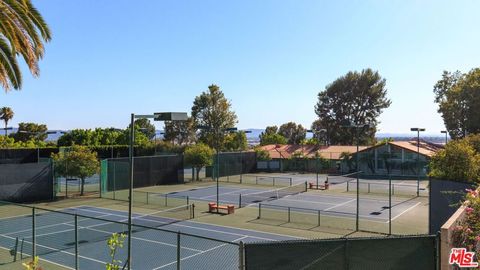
[6, 114]
[22, 32]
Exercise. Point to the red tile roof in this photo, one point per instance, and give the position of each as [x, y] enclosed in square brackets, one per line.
[278, 151]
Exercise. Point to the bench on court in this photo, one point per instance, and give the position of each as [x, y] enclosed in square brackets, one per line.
[213, 207]
[321, 187]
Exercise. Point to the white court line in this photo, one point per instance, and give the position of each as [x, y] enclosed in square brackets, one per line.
[344, 197]
[293, 200]
[136, 238]
[203, 252]
[58, 250]
[42, 259]
[403, 212]
[209, 224]
[223, 193]
[198, 228]
[26, 215]
[52, 225]
[338, 205]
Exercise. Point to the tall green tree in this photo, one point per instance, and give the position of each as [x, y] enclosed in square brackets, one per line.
[458, 99]
[356, 97]
[271, 136]
[198, 156]
[459, 161]
[180, 132]
[294, 133]
[320, 133]
[78, 162]
[211, 109]
[30, 131]
[22, 32]
[236, 141]
[88, 137]
[146, 127]
[6, 114]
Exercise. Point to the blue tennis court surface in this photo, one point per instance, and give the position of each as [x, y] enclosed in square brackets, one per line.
[151, 249]
[334, 204]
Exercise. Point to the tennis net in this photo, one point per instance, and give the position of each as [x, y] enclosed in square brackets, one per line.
[339, 179]
[269, 195]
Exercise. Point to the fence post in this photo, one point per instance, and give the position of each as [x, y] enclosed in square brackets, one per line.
[346, 258]
[178, 251]
[241, 259]
[33, 233]
[76, 242]
[319, 214]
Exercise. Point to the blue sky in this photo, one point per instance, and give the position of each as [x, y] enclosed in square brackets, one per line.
[271, 58]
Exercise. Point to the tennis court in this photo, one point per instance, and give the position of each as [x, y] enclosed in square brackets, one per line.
[202, 246]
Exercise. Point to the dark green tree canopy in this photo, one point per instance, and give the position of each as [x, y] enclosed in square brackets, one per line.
[236, 141]
[101, 137]
[30, 131]
[211, 109]
[146, 127]
[357, 98]
[198, 156]
[320, 133]
[458, 98]
[180, 132]
[79, 162]
[294, 133]
[274, 138]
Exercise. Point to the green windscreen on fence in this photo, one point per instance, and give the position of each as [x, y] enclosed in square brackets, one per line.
[410, 252]
[148, 171]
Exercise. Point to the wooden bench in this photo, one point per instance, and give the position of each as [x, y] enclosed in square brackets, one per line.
[213, 207]
[321, 187]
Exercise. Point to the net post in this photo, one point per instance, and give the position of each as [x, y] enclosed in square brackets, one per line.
[188, 200]
[241, 259]
[256, 180]
[306, 186]
[147, 197]
[273, 181]
[166, 199]
[193, 211]
[15, 250]
[368, 187]
[348, 186]
[76, 242]
[393, 189]
[288, 209]
[240, 200]
[33, 234]
[259, 211]
[291, 182]
[178, 251]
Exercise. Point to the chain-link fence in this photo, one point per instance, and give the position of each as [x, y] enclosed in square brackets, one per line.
[69, 240]
[408, 252]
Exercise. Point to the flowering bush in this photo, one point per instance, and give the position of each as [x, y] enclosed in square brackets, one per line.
[467, 233]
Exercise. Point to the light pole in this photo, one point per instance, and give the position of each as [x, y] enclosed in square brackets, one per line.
[316, 132]
[166, 116]
[446, 136]
[357, 128]
[242, 159]
[217, 132]
[418, 130]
